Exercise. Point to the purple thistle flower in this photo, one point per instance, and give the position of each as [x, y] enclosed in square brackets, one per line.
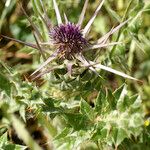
[69, 39]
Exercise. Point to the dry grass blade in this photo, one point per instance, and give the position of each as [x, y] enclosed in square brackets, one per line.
[52, 57]
[81, 18]
[86, 30]
[41, 51]
[46, 19]
[45, 13]
[32, 24]
[21, 42]
[45, 22]
[59, 20]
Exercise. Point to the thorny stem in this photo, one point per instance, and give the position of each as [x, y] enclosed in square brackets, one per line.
[38, 45]
[119, 33]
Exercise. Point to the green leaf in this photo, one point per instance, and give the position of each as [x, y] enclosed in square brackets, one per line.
[5, 84]
[100, 132]
[111, 100]
[77, 121]
[87, 110]
[34, 5]
[49, 102]
[63, 134]
[121, 104]
[118, 91]
[100, 100]
[88, 86]
[138, 120]
[47, 123]
[3, 139]
[137, 102]
[22, 112]
[14, 147]
[121, 135]
[4, 144]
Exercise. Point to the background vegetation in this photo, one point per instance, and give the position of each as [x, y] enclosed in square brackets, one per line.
[84, 112]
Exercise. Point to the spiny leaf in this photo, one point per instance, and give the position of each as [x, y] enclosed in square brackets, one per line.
[32, 24]
[87, 110]
[100, 100]
[77, 121]
[118, 91]
[111, 100]
[5, 84]
[3, 139]
[63, 134]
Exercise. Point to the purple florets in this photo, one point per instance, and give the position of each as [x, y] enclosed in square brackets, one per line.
[69, 39]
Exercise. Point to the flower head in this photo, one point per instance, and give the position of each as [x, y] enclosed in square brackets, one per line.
[69, 39]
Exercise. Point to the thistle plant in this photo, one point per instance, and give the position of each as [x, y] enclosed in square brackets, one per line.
[70, 40]
[74, 108]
